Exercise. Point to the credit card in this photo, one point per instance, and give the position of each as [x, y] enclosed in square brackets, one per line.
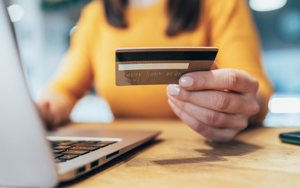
[161, 65]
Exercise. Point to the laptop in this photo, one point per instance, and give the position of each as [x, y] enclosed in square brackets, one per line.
[30, 158]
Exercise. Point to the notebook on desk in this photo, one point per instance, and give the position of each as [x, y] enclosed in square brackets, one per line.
[28, 158]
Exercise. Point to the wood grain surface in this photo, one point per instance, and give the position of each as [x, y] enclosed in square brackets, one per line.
[179, 157]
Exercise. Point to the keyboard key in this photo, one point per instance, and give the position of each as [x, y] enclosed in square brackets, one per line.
[58, 155]
[62, 147]
[90, 145]
[58, 141]
[84, 148]
[107, 142]
[91, 142]
[65, 143]
[53, 145]
[58, 151]
[76, 152]
[60, 160]
[68, 157]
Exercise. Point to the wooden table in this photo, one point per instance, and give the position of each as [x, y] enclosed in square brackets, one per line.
[181, 158]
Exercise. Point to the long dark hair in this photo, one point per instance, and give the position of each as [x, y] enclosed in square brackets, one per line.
[183, 14]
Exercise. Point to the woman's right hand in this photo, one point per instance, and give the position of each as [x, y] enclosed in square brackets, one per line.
[54, 109]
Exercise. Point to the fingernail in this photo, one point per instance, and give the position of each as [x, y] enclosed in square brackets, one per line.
[173, 89]
[171, 104]
[186, 81]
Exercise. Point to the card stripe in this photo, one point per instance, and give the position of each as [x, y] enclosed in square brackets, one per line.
[152, 66]
[163, 55]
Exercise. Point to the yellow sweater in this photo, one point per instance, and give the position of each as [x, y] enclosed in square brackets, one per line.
[91, 57]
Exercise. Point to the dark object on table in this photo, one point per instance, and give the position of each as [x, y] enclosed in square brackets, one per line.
[291, 138]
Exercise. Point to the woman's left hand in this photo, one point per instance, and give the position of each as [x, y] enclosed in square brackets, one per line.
[217, 104]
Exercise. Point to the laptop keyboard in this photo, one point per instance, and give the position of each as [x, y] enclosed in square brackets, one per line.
[65, 150]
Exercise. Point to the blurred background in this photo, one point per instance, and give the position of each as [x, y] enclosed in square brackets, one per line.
[43, 30]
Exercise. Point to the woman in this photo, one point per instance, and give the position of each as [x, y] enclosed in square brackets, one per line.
[217, 104]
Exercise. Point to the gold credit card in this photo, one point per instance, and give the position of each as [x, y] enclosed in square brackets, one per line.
[161, 65]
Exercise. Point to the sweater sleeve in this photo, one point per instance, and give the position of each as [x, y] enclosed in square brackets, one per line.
[75, 75]
[233, 31]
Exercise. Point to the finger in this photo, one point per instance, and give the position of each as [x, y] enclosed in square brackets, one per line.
[52, 120]
[220, 101]
[215, 134]
[56, 119]
[231, 79]
[210, 117]
[54, 116]
[43, 108]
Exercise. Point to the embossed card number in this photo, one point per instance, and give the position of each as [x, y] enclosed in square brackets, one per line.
[152, 66]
